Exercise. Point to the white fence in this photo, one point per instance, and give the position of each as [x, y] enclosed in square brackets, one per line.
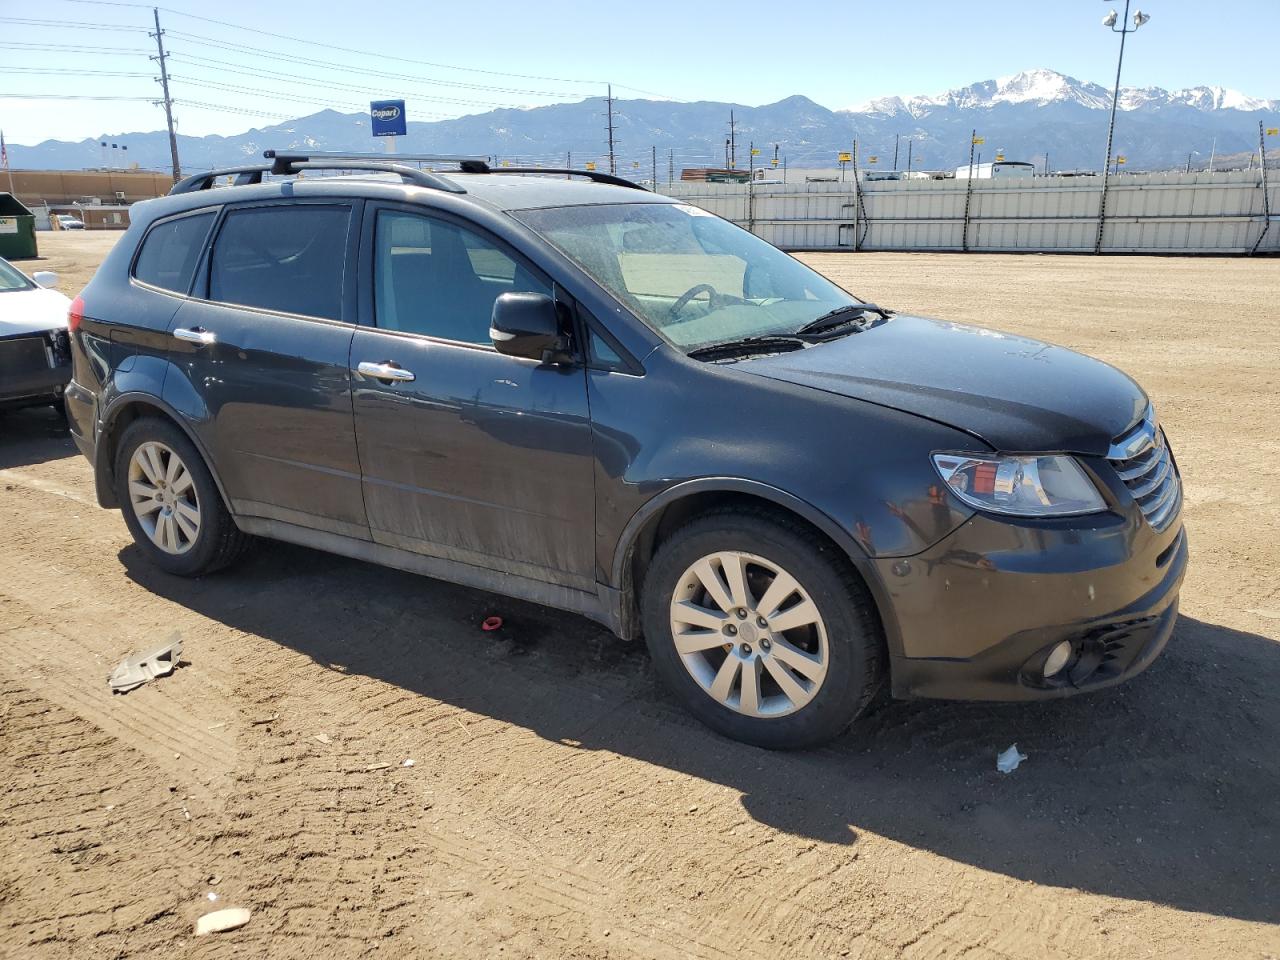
[1146, 213]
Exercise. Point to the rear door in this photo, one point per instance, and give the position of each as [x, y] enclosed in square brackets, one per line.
[264, 348]
[468, 454]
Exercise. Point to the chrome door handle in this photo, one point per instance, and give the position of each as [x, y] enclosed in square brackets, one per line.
[196, 335]
[384, 371]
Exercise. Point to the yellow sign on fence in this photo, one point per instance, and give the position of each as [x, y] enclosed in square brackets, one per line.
[846, 157]
[1273, 131]
[1121, 160]
[979, 140]
[591, 164]
[755, 152]
[873, 159]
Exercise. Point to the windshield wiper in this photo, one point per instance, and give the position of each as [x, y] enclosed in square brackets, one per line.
[841, 316]
[746, 346]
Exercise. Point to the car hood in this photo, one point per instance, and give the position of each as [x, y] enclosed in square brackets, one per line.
[1014, 393]
[32, 311]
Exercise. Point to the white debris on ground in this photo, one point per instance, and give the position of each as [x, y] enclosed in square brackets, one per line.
[1008, 761]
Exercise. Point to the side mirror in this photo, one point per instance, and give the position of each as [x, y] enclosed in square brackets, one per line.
[528, 325]
[45, 278]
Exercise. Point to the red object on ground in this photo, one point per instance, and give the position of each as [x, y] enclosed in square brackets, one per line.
[491, 623]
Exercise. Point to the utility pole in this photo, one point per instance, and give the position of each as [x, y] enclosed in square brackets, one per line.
[655, 168]
[733, 142]
[168, 101]
[895, 151]
[910, 142]
[1266, 202]
[613, 166]
[1110, 21]
[968, 192]
[671, 166]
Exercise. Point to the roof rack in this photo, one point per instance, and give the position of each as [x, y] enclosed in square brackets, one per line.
[383, 157]
[481, 166]
[286, 164]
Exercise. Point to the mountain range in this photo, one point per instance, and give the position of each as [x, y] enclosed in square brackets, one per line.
[1034, 115]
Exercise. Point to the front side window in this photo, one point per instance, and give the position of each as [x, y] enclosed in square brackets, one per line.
[439, 279]
[170, 252]
[694, 278]
[11, 278]
[282, 257]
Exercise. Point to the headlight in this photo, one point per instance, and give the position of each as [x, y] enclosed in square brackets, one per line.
[1033, 486]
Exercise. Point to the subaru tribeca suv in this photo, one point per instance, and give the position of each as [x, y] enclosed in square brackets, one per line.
[604, 400]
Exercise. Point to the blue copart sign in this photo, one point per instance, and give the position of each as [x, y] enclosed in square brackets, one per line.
[387, 118]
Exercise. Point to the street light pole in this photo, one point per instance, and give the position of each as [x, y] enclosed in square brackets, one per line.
[1139, 18]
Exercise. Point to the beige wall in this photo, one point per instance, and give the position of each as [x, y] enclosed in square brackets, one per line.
[55, 187]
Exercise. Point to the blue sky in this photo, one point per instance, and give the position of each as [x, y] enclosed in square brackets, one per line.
[839, 54]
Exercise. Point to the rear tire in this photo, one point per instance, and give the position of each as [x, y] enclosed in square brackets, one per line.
[799, 651]
[170, 502]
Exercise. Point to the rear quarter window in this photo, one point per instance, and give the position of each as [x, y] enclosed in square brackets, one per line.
[171, 250]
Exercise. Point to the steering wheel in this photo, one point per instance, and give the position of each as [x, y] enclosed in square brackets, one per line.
[714, 299]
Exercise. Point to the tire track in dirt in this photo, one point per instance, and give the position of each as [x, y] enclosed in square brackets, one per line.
[78, 814]
[551, 809]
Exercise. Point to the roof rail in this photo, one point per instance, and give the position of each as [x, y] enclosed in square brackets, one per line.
[384, 157]
[203, 181]
[286, 164]
[480, 166]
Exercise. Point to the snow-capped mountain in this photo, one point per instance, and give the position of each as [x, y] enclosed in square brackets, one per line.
[1044, 87]
[1037, 115]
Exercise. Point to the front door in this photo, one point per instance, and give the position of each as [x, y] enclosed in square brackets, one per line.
[265, 350]
[467, 454]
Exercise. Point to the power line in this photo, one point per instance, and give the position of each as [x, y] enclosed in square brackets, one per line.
[74, 48]
[71, 25]
[224, 66]
[328, 64]
[331, 46]
[68, 96]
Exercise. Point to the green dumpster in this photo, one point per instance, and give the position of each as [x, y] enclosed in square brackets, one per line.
[17, 229]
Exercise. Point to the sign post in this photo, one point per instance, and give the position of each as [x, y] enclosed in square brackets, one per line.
[386, 119]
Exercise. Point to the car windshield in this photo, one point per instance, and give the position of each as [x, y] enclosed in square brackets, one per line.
[12, 279]
[694, 278]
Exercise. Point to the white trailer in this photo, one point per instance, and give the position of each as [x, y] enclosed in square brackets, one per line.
[1001, 169]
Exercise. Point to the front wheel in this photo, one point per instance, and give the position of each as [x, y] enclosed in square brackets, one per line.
[762, 629]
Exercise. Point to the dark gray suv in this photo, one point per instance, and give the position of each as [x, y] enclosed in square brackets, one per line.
[604, 400]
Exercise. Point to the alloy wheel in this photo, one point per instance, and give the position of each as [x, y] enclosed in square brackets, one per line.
[749, 634]
[163, 496]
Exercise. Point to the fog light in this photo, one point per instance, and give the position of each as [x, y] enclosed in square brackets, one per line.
[1057, 659]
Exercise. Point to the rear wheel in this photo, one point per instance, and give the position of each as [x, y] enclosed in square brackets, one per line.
[762, 629]
[170, 502]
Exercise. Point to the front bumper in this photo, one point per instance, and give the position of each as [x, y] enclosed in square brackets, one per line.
[974, 617]
[34, 368]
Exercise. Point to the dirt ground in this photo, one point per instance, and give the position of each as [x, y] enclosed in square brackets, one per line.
[560, 804]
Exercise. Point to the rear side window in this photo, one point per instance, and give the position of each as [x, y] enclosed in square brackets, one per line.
[170, 252]
[286, 258]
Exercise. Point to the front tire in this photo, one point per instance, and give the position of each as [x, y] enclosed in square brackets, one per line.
[762, 629]
[170, 502]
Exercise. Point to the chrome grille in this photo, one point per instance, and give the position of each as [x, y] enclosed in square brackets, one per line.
[1142, 459]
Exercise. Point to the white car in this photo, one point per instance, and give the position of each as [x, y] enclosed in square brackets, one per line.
[68, 222]
[35, 353]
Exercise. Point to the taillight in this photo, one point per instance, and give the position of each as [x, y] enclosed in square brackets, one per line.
[75, 313]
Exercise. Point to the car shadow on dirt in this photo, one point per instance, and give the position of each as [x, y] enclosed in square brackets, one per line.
[33, 435]
[1163, 790]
